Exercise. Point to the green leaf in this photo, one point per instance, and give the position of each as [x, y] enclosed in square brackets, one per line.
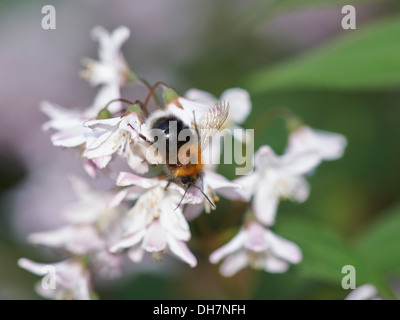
[367, 58]
[259, 12]
[380, 244]
[289, 4]
[326, 253]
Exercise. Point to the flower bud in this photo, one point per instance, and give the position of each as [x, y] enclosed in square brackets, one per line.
[169, 95]
[134, 108]
[104, 114]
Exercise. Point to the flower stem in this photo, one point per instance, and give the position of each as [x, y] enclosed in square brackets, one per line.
[282, 112]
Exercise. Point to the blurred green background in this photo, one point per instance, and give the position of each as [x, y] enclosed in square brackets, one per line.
[286, 53]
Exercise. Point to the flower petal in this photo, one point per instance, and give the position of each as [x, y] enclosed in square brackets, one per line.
[105, 94]
[365, 292]
[136, 163]
[239, 102]
[275, 265]
[174, 222]
[116, 199]
[265, 203]
[70, 138]
[234, 263]
[298, 189]
[330, 145]
[300, 163]
[282, 248]
[193, 211]
[218, 182]
[102, 162]
[128, 242]
[136, 253]
[76, 239]
[90, 168]
[102, 124]
[31, 266]
[155, 239]
[128, 179]
[249, 185]
[265, 157]
[255, 237]
[235, 244]
[181, 250]
[104, 145]
[83, 211]
[201, 96]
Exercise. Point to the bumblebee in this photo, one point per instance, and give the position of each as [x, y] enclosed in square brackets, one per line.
[187, 143]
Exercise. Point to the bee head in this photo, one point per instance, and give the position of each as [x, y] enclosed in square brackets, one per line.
[187, 180]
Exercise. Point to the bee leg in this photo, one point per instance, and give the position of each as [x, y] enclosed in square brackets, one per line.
[169, 182]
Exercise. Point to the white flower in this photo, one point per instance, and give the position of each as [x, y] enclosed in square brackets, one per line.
[72, 280]
[304, 139]
[68, 123]
[111, 67]
[258, 248]
[82, 240]
[111, 70]
[117, 135]
[155, 223]
[71, 133]
[135, 186]
[106, 264]
[76, 239]
[365, 292]
[274, 178]
[93, 226]
[92, 207]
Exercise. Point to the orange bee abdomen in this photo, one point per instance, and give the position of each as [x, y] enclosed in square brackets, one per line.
[189, 169]
[193, 167]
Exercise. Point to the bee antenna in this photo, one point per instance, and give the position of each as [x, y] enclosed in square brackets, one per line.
[183, 197]
[208, 199]
[153, 91]
[140, 135]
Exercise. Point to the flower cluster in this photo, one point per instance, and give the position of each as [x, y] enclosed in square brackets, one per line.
[273, 179]
[149, 209]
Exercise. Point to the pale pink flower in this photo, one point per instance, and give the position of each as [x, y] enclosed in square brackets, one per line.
[111, 70]
[68, 123]
[76, 239]
[71, 279]
[92, 206]
[364, 292]
[119, 135]
[111, 67]
[258, 248]
[328, 144]
[274, 178]
[155, 223]
[71, 133]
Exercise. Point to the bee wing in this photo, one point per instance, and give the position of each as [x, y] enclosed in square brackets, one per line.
[212, 122]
